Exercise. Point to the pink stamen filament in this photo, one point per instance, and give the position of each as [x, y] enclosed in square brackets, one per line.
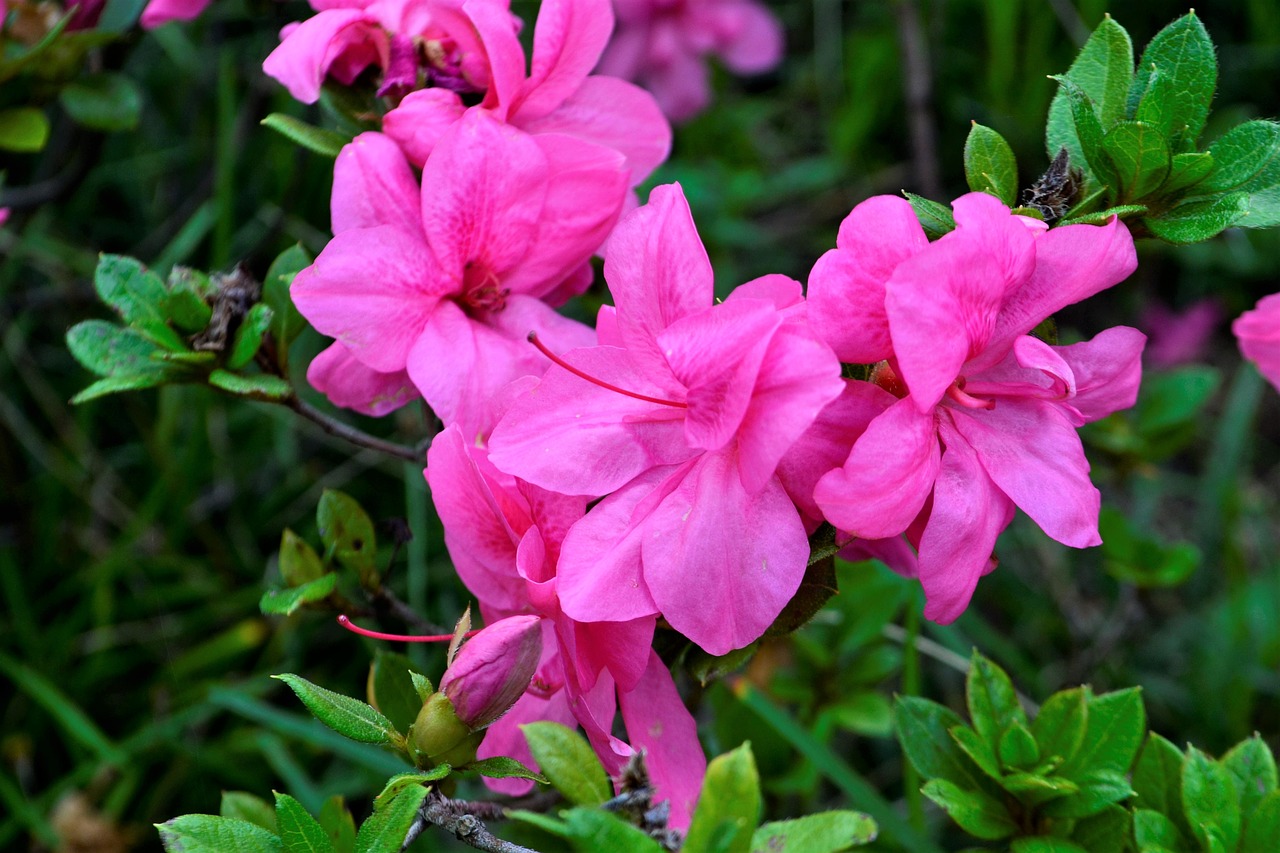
[399, 638]
[533, 339]
[969, 402]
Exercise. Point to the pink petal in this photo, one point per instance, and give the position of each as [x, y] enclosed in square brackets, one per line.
[162, 11]
[567, 41]
[756, 45]
[968, 514]
[887, 477]
[721, 563]
[847, 284]
[373, 185]
[504, 738]
[783, 291]
[1008, 238]
[421, 119]
[483, 192]
[682, 86]
[506, 57]
[622, 648]
[1032, 453]
[1108, 370]
[659, 723]
[1259, 334]
[613, 113]
[302, 60]
[374, 289]
[344, 379]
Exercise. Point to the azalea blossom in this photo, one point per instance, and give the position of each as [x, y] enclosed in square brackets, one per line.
[505, 537]
[681, 417]
[663, 45]
[160, 12]
[987, 414]
[444, 281]
[1258, 332]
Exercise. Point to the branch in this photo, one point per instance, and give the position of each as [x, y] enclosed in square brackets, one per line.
[351, 434]
[454, 816]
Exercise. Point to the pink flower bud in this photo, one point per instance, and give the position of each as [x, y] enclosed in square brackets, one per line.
[493, 669]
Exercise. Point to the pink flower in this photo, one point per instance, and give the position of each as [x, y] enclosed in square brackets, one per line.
[445, 281]
[686, 412]
[987, 414]
[1178, 337]
[1259, 334]
[163, 11]
[505, 537]
[493, 669]
[663, 45]
[556, 96]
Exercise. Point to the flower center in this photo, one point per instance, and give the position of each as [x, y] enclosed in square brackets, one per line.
[582, 374]
[482, 293]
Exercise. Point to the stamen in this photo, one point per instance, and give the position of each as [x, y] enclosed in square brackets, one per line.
[533, 339]
[966, 400]
[399, 638]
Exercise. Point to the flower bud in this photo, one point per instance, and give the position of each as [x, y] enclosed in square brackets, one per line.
[493, 669]
[439, 736]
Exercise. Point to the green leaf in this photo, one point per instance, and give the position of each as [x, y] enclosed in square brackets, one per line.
[282, 602]
[503, 767]
[386, 828]
[935, 219]
[1098, 789]
[422, 685]
[817, 587]
[982, 753]
[1253, 769]
[111, 350]
[977, 813]
[338, 824]
[993, 704]
[1100, 217]
[591, 831]
[23, 129]
[346, 716]
[299, 562]
[1187, 170]
[1089, 134]
[1141, 158]
[1246, 158]
[326, 143]
[923, 730]
[1059, 727]
[391, 689]
[286, 322]
[1046, 844]
[1116, 723]
[1105, 832]
[347, 531]
[1103, 70]
[139, 296]
[708, 667]
[1198, 218]
[1152, 829]
[116, 384]
[1033, 789]
[1018, 748]
[1262, 828]
[866, 712]
[398, 783]
[260, 386]
[249, 336]
[1183, 53]
[1209, 800]
[729, 806]
[104, 101]
[299, 831]
[825, 832]
[187, 305]
[568, 762]
[1157, 778]
[202, 833]
[989, 164]
[242, 805]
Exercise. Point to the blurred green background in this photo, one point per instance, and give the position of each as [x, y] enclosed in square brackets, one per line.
[137, 531]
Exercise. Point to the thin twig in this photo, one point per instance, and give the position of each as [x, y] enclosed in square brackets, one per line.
[946, 657]
[918, 89]
[386, 601]
[357, 437]
[454, 816]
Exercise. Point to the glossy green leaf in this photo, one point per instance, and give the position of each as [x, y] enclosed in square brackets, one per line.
[568, 762]
[347, 532]
[127, 382]
[923, 730]
[935, 218]
[249, 336]
[326, 143]
[1262, 827]
[104, 101]
[23, 129]
[1209, 800]
[299, 562]
[422, 685]
[338, 824]
[386, 828]
[1246, 158]
[825, 832]
[139, 296]
[346, 716]
[1153, 829]
[260, 386]
[1032, 789]
[1060, 725]
[1103, 70]
[391, 689]
[1115, 726]
[1183, 53]
[200, 833]
[299, 831]
[1199, 218]
[1157, 777]
[398, 783]
[993, 703]
[1140, 156]
[591, 830]
[981, 752]
[978, 814]
[242, 805]
[1098, 789]
[729, 807]
[1186, 171]
[1018, 748]
[1089, 134]
[286, 322]
[282, 602]
[1106, 832]
[111, 350]
[1101, 217]
[1046, 844]
[866, 712]
[187, 305]
[503, 767]
[1264, 209]
[1253, 769]
[989, 164]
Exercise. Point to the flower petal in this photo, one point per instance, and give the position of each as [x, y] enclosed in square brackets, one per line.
[303, 58]
[347, 382]
[504, 738]
[568, 39]
[421, 119]
[373, 185]
[1259, 334]
[1108, 371]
